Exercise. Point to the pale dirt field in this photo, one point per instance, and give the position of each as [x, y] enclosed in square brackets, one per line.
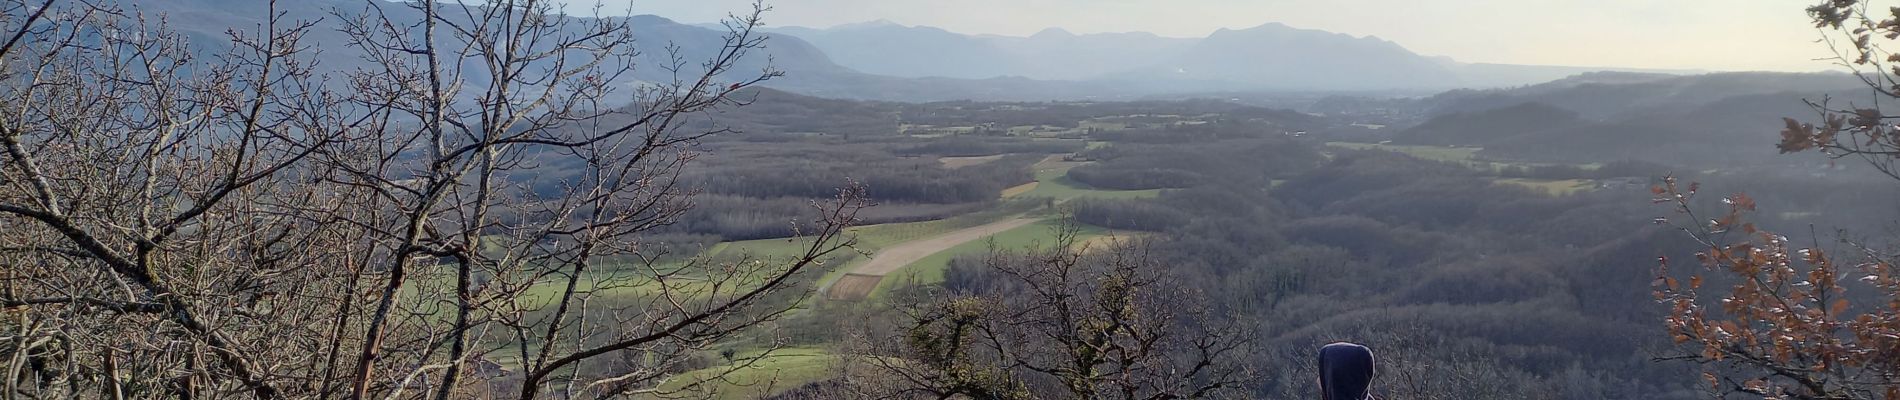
[1105, 242]
[895, 257]
[853, 287]
[1014, 191]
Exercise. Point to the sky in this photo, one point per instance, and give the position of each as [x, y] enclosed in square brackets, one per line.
[1717, 35]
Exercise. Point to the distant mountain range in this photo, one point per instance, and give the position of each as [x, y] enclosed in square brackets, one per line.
[1273, 56]
[888, 61]
[886, 48]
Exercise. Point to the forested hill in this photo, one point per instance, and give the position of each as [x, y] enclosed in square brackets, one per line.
[1606, 95]
[1713, 120]
[1479, 128]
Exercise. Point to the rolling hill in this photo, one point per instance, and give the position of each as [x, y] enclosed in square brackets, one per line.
[1712, 120]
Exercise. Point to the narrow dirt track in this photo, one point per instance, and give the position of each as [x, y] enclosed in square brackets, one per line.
[890, 259]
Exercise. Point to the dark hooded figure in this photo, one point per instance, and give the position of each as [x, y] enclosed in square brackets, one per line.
[1345, 372]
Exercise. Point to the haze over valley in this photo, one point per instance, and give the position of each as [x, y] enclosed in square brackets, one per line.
[1003, 200]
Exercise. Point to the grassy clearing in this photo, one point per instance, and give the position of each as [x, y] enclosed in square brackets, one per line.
[931, 269]
[782, 370]
[1045, 131]
[604, 282]
[1056, 184]
[615, 283]
[1018, 190]
[765, 249]
[933, 130]
[871, 238]
[960, 162]
[1467, 156]
[1052, 181]
[1102, 125]
[1559, 187]
[1798, 215]
[1439, 153]
[1105, 241]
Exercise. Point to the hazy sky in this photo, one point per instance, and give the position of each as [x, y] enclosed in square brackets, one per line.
[1699, 34]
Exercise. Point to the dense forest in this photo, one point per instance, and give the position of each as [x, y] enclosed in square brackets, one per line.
[1473, 276]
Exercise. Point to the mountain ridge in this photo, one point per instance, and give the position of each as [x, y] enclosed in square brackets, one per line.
[887, 48]
[1051, 65]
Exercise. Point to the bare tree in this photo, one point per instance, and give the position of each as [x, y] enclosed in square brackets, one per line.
[1068, 322]
[184, 222]
[1797, 321]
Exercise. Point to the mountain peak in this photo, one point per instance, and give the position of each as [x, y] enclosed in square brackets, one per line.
[1053, 32]
[1274, 28]
[1288, 32]
[1270, 26]
[651, 19]
[877, 23]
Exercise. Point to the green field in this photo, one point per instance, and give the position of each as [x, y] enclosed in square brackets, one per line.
[870, 237]
[930, 270]
[781, 370]
[789, 368]
[607, 284]
[1439, 153]
[610, 282]
[1559, 187]
[881, 235]
[1052, 181]
[1045, 131]
[1102, 125]
[931, 131]
[1460, 155]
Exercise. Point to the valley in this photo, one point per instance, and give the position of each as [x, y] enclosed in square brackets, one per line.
[351, 199]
